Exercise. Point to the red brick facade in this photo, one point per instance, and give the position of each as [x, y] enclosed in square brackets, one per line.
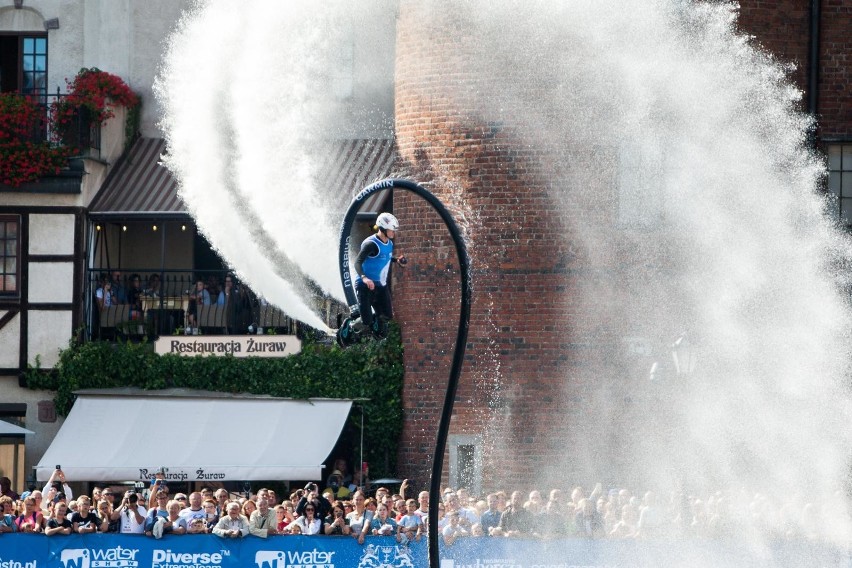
[529, 332]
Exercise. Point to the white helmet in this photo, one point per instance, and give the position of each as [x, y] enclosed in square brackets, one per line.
[387, 222]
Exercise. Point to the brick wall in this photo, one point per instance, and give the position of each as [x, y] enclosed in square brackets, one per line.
[782, 27]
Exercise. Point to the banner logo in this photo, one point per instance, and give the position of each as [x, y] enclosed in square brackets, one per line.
[294, 559]
[118, 557]
[168, 559]
[385, 557]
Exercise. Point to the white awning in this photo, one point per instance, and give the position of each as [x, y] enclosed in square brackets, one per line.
[198, 437]
[7, 429]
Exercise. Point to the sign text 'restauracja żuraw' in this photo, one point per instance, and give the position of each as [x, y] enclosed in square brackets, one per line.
[238, 346]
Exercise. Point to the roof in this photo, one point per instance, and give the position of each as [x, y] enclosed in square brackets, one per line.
[7, 429]
[355, 164]
[189, 434]
[140, 186]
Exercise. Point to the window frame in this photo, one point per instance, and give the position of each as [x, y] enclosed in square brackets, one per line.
[842, 193]
[4, 294]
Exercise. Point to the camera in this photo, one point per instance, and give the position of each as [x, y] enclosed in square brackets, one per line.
[58, 467]
[338, 514]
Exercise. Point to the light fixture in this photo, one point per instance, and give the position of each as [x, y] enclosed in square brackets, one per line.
[683, 353]
[183, 227]
[124, 228]
[97, 227]
[155, 227]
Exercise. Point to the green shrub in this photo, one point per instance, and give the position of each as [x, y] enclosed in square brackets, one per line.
[371, 371]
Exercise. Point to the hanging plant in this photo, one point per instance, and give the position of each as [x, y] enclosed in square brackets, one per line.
[92, 95]
[24, 155]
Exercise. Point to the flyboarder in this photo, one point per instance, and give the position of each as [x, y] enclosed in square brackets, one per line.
[371, 267]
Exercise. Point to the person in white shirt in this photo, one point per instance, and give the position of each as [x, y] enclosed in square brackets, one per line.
[131, 513]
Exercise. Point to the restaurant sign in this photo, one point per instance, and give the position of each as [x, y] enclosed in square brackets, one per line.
[236, 345]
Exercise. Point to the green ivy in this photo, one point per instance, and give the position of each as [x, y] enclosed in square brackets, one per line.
[373, 371]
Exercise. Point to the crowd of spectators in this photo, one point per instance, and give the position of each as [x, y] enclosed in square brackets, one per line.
[344, 509]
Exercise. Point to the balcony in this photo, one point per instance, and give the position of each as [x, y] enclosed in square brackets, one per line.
[27, 126]
[147, 303]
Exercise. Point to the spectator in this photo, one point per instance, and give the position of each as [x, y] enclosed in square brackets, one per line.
[359, 518]
[6, 489]
[336, 485]
[423, 510]
[158, 484]
[237, 305]
[382, 524]
[515, 520]
[311, 495]
[58, 482]
[173, 523]
[491, 517]
[309, 523]
[211, 516]
[195, 510]
[626, 525]
[588, 521]
[39, 498]
[153, 288]
[109, 495]
[134, 296]
[248, 507]
[84, 520]
[199, 297]
[283, 518]
[7, 515]
[552, 523]
[31, 520]
[197, 526]
[58, 523]
[104, 513]
[233, 524]
[411, 524]
[222, 498]
[466, 516]
[534, 503]
[453, 529]
[651, 519]
[119, 292]
[160, 511]
[104, 296]
[335, 523]
[130, 514]
[263, 521]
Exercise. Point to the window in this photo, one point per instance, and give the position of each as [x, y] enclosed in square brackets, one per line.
[23, 63]
[840, 178]
[10, 248]
[641, 176]
[464, 463]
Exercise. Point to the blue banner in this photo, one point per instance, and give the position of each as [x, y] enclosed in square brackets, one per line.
[208, 551]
